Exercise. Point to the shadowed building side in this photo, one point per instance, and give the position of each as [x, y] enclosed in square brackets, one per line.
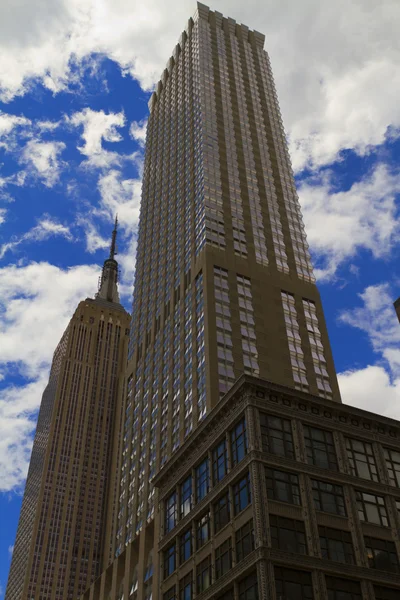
[69, 506]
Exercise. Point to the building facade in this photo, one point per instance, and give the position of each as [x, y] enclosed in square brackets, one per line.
[277, 495]
[68, 513]
[224, 282]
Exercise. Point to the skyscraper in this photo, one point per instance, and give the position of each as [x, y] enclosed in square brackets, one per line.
[243, 476]
[224, 282]
[72, 480]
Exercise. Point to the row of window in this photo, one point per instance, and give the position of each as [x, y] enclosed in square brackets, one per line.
[277, 438]
[224, 554]
[199, 532]
[247, 587]
[184, 498]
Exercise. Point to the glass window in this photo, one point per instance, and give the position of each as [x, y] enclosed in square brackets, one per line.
[185, 546]
[203, 574]
[381, 554]
[291, 584]
[343, 589]
[221, 512]
[170, 594]
[241, 494]
[186, 587]
[248, 588]
[203, 530]
[288, 535]
[186, 496]
[320, 449]
[244, 540]
[276, 435]
[219, 462]
[371, 508]
[169, 561]
[336, 545]
[328, 497]
[202, 480]
[392, 458]
[384, 593]
[170, 512]
[282, 486]
[361, 459]
[223, 558]
[238, 442]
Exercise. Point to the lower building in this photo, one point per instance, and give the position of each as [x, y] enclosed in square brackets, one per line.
[277, 495]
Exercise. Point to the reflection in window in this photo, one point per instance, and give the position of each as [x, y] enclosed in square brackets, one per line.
[371, 508]
[276, 435]
[320, 448]
[238, 442]
[336, 545]
[282, 486]
[170, 512]
[328, 497]
[248, 588]
[203, 530]
[244, 541]
[202, 480]
[203, 575]
[219, 462]
[221, 512]
[288, 535]
[223, 558]
[392, 458]
[381, 554]
[361, 459]
[241, 494]
[186, 496]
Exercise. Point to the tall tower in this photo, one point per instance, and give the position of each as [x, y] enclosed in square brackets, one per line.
[68, 510]
[224, 282]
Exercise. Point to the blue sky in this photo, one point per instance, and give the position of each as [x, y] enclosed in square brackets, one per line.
[75, 78]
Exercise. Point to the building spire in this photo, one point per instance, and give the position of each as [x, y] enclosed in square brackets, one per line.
[113, 247]
[108, 284]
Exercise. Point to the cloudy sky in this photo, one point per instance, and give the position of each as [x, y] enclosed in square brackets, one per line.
[75, 77]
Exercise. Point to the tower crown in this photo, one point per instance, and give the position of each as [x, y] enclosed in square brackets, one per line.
[108, 286]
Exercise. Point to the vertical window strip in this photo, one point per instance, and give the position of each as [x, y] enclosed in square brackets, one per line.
[294, 342]
[250, 169]
[200, 350]
[226, 372]
[317, 349]
[246, 312]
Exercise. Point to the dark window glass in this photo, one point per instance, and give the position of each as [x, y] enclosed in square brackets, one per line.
[293, 585]
[384, 593]
[170, 512]
[238, 442]
[328, 497]
[241, 494]
[320, 448]
[282, 486]
[185, 546]
[336, 545]
[244, 541]
[186, 587]
[229, 595]
[248, 588]
[223, 558]
[361, 459]
[371, 508]
[203, 530]
[392, 458]
[343, 589]
[221, 512]
[202, 480]
[203, 574]
[288, 535]
[219, 462]
[169, 561]
[186, 496]
[381, 554]
[170, 594]
[276, 435]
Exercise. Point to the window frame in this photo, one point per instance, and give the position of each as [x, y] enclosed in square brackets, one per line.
[275, 477]
[238, 442]
[329, 534]
[217, 457]
[245, 532]
[316, 490]
[356, 464]
[363, 503]
[202, 478]
[279, 524]
[183, 541]
[312, 448]
[237, 488]
[221, 512]
[201, 568]
[269, 434]
[222, 552]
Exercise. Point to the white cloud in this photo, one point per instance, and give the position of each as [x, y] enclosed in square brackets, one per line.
[42, 160]
[137, 131]
[36, 303]
[371, 389]
[343, 74]
[340, 223]
[10, 550]
[3, 212]
[94, 241]
[47, 227]
[377, 318]
[98, 126]
[8, 122]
